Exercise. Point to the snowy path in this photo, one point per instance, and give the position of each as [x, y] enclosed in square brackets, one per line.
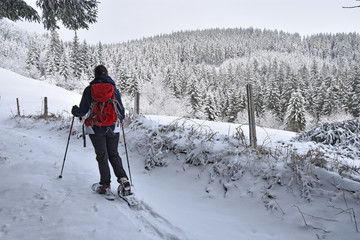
[36, 204]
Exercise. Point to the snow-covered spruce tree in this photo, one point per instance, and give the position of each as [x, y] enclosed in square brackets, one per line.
[17, 10]
[132, 85]
[332, 94]
[330, 105]
[65, 72]
[234, 105]
[355, 83]
[209, 107]
[338, 90]
[222, 104]
[174, 80]
[291, 84]
[280, 76]
[75, 57]
[344, 89]
[71, 13]
[304, 76]
[319, 98]
[182, 81]
[273, 98]
[53, 54]
[193, 94]
[327, 83]
[312, 90]
[91, 62]
[100, 54]
[32, 61]
[260, 101]
[272, 92]
[169, 75]
[32, 56]
[123, 80]
[84, 57]
[295, 115]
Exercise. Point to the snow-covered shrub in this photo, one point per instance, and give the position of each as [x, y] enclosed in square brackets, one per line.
[238, 168]
[301, 166]
[339, 136]
[227, 158]
[148, 143]
[156, 141]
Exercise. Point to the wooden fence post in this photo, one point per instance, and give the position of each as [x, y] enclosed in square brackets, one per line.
[45, 107]
[252, 126]
[18, 106]
[137, 103]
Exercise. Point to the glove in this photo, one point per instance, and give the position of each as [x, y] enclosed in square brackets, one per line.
[74, 110]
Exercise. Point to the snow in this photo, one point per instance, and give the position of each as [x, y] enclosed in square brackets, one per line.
[266, 137]
[178, 200]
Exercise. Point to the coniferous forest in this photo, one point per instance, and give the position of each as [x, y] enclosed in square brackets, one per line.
[297, 80]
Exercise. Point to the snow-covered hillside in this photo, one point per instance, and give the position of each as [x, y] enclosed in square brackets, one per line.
[237, 194]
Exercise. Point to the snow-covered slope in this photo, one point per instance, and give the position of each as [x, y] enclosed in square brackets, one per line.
[31, 95]
[178, 201]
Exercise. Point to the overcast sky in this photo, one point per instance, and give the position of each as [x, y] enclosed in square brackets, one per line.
[123, 20]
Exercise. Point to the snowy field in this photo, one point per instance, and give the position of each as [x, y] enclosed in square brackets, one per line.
[176, 202]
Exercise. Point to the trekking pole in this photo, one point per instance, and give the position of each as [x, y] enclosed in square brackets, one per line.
[67, 145]
[84, 135]
[127, 157]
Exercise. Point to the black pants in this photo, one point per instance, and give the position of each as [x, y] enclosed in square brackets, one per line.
[106, 148]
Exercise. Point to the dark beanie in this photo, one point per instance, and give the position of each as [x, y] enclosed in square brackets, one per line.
[100, 70]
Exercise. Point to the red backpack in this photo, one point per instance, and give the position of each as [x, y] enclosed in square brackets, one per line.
[103, 108]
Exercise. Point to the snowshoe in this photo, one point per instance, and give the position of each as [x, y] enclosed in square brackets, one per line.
[124, 188]
[129, 198]
[103, 190]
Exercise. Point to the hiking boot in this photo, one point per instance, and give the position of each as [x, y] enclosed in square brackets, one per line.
[103, 189]
[108, 194]
[124, 188]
